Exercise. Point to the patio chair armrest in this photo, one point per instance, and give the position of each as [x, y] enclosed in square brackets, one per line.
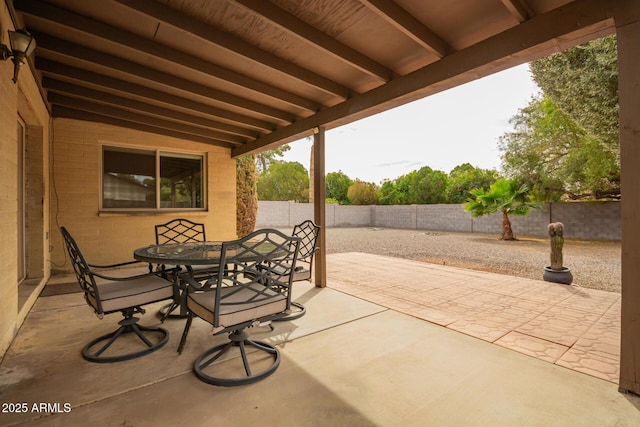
[309, 255]
[116, 265]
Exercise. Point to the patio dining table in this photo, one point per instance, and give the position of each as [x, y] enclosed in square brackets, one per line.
[192, 255]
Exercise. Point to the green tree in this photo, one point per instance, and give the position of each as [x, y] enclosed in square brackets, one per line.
[583, 82]
[388, 193]
[267, 157]
[464, 178]
[363, 193]
[553, 154]
[419, 186]
[397, 192]
[337, 185]
[284, 181]
[505, 196]
[568, 140]
[428, 186]
[246, 195]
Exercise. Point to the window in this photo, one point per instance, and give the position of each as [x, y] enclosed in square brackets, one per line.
[180, 181]
[149, 179]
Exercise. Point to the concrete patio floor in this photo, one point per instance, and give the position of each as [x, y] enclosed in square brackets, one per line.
[371, 351]
[574, 327]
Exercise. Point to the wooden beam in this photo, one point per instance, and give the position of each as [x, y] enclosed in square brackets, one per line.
[168, 15]
[409, 25]
[58, 86]
[48, 67]
[519, 9]
[514, 46]
[130, 41]
[57, 46]
[319, 212]
[304, 31]
[71, 113]
[124, 114]
[629, 99]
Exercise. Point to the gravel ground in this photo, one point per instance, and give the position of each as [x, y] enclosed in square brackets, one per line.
[594, 264]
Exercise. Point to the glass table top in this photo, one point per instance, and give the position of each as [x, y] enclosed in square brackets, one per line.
[200, 252]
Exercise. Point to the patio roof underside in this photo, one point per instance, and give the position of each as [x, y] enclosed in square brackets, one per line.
[253, 74]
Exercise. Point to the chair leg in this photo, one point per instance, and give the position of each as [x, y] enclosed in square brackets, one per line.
[240, 340]
[185, 332]
[295, 314]
[127, 325]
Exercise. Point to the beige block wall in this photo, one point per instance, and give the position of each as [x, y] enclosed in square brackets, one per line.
[8, 201]
[109, 237]
[20, 100]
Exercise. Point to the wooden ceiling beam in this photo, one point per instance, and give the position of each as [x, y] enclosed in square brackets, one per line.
[126, 40]
[519, 9]
[131, 116]
[304, 31]
[60, 87]
[111, 84]
[234, 45]
[409, 25]
[62, 47]
[509, 47]
[72, 113]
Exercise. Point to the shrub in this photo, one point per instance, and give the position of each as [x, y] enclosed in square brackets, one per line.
[363, 193]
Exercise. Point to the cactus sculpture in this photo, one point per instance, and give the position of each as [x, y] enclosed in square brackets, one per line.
[556, 229]
[557, 273]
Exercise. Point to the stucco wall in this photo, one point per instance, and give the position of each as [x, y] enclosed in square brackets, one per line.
[109, 237]
[588, 220]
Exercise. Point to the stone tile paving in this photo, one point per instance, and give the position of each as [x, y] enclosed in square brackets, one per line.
[597, 352]
[561, 325]
[573, 327]
[532, 346]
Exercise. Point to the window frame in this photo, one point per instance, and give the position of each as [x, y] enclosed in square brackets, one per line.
[157, 152]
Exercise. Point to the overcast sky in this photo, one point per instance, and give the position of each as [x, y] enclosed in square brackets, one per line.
[460, 125]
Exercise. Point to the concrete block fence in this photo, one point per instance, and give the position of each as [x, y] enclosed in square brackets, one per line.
[583, 220]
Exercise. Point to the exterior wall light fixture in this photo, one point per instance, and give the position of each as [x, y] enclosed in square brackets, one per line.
[22, 44]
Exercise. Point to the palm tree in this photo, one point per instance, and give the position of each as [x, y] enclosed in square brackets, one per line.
[505, 196]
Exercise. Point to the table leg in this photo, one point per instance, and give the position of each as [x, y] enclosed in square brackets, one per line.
[179, 301]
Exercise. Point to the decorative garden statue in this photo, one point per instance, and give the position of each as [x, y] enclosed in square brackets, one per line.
[556, 272]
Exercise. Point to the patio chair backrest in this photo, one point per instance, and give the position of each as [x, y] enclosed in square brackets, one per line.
[83, 272]
[308, 232]
[260, 271]
[180, 230]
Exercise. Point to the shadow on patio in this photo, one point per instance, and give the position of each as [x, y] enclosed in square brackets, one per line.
[365, 360]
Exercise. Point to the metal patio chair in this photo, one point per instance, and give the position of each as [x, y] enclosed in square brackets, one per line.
[181, 230]
[253, 291]
[307, 231]
[127, 295]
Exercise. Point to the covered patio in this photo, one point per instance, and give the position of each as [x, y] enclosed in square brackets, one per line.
[218, 80]
[363, 355]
